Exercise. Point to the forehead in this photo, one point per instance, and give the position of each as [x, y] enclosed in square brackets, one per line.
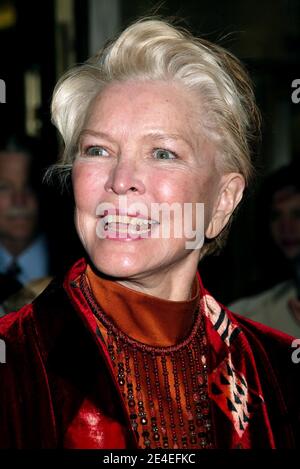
[145, 104]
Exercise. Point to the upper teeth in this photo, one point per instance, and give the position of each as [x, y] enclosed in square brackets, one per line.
[127, 220]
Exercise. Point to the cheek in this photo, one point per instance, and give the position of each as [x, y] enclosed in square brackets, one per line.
[86, 187]
[3, 204]
[171, 188]
[5, 201]
[32, 203]
[189, 189]
[203, 190]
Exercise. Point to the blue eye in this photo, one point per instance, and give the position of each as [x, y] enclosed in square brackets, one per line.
[162, 154]
[95, 151]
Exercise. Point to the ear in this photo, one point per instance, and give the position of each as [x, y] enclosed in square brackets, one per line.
[230, 193]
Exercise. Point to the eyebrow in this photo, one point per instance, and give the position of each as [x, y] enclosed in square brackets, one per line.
[93, 133]
[153, 134]
[167, 136]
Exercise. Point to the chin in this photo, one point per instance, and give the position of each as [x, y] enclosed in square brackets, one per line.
[22, 238]
[116, 265]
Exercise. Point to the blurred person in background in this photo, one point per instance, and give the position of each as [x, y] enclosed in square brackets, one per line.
[23, 248]
[278, 228]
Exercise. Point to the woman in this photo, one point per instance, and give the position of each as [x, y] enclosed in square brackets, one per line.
[132, 351]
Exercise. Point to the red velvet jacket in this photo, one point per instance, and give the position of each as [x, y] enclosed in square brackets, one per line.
[57, 387]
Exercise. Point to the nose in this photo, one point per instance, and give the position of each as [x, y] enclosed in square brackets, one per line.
[20, 198]
[123, 178]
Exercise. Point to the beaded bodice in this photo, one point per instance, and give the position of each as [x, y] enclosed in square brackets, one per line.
[164, 388]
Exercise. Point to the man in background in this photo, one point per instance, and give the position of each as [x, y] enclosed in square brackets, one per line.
[279, 306]
[23, 248]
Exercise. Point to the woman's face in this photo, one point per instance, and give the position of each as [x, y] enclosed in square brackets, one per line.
[142, 144]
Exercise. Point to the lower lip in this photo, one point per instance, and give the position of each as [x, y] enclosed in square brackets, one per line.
[116, 237]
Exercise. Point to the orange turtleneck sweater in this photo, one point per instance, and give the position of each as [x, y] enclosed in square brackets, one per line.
[156, 349]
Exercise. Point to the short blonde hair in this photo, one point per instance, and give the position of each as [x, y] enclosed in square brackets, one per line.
[153, 49]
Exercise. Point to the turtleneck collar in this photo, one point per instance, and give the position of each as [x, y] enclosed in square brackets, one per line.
[146, 318]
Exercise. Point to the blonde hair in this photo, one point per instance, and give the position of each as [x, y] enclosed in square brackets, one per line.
[153, 49]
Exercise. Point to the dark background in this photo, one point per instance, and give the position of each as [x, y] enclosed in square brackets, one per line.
[39, 40]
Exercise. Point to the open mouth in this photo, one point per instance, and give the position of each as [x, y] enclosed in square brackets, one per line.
[128, 225]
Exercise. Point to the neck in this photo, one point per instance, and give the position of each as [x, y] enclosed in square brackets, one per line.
[173, 283]
[144, 317]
